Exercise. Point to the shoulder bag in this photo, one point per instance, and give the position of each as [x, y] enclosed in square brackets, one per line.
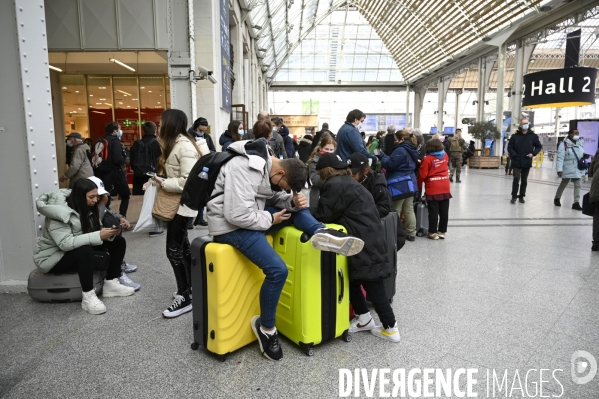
[166, 205]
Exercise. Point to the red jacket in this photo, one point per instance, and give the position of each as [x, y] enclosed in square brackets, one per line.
[435, 174]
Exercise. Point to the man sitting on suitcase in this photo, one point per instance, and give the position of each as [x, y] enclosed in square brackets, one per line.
[253, 205]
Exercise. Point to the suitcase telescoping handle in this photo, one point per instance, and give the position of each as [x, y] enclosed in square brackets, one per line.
[340, 272]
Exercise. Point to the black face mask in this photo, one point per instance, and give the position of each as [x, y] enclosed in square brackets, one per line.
[275, 187]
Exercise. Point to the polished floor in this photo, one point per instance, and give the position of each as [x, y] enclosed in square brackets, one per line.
[512, 287]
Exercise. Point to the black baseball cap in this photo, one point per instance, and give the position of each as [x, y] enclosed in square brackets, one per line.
[75, 135]
[356, 161]
[331, 160]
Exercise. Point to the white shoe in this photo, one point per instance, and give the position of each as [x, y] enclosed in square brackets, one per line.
[91, 304]
[390, 334]
[115, 288]
[362, 322]
[330, 240]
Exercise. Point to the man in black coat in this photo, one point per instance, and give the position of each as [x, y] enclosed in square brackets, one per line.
[110, 170]
[318, 135]
[522, 147]
[149, 138]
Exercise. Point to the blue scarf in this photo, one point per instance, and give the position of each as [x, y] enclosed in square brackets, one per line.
[438, 154]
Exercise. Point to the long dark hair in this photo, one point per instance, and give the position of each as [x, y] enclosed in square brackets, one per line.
[89, 216]
[173, 122]
[233, 129]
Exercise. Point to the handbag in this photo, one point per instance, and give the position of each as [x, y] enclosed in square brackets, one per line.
[146, 221]
[166, 205]
[582, 164]
[588, 208]
[401, 187]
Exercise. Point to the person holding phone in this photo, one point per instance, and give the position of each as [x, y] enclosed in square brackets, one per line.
[254, 203]
[73, 240]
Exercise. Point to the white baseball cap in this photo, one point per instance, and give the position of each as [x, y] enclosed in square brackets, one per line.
[99, 184]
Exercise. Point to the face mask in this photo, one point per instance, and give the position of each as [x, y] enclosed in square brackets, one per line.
[120, 134]
[275, 187]
[240, 133]
[359, 126]
[575, 138]
[274, 129]
[525, 126]
[69, 143]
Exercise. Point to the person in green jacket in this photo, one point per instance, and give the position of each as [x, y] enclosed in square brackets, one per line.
[73, 240]
[376, 144]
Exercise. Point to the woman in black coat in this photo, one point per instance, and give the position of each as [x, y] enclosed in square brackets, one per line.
[345, 201]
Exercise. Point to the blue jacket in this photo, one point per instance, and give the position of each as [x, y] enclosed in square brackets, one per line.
[289, 147]
[566, 160]
[402, 162]
[350, 141]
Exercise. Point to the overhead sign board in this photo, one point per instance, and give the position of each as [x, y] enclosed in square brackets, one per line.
[570, 87]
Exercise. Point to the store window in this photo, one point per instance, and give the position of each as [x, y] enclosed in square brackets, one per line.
[152, 98]
[99, 89]
[74, 104]
[126, 104]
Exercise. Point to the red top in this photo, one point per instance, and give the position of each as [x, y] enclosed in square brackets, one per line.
[435, 174]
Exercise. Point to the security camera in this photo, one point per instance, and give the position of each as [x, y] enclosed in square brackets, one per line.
[204, 70]
[211, 78]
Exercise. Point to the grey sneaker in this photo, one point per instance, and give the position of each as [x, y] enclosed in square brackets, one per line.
[126, 281]
[153, 234]
[336, 241]
[127, 268]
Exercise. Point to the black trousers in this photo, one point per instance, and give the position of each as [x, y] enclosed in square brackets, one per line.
[85, 260]
[377, 294]
[438, 216]
[520, 173]
[508, 165]
[178, 251]
[596, 225]
[138, 182]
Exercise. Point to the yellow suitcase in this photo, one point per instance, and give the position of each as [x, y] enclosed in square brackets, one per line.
[226, 290]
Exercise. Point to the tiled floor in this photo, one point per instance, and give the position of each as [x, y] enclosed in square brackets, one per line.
[512, 287]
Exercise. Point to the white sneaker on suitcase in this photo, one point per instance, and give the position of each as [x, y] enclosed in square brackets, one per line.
[114, 288]
[91, 304]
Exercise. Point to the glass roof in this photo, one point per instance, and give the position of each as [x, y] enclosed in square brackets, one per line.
[342, 44]
[344, 47]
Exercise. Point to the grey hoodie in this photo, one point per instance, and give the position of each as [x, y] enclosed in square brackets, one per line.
[245, 181]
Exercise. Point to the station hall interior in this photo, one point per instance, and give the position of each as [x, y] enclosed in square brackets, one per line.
[513, 287]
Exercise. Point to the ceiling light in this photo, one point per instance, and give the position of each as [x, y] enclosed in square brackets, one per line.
[53, 67]
[545, 8]
[121, 64]
[102, 99]
[486, 39]
[532, 60]
[120, 102]
[110, 105]
[149, 91]
[101, 88]
[124, 92]
[76, 91]
[128, 106]
[64, 88]
[91, 95]
[143, 87]
[158, 102]
[98, 103]
[79, 109]
[98, 112]
[134, 99]
[262, 49]
[256, 27]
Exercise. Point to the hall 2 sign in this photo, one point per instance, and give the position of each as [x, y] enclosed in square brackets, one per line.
[569, 87]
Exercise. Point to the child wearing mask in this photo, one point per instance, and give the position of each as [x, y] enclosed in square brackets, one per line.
[434, 173]
[327, 145]
[345, 201]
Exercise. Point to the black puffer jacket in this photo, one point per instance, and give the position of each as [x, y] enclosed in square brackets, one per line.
[376, 183]
[520, 145]
[345, 201]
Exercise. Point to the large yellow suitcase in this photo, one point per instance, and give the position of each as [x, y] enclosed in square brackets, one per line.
[314, 305]
[226, 289]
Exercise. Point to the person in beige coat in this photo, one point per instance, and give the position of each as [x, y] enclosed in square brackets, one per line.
[180, 152]
[80, 167]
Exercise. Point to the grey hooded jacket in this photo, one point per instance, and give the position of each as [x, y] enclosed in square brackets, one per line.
[245, 182]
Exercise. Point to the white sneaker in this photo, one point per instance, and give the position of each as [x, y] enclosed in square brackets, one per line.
[390, 334]
[115, 288]
[362, 322]
[91, 304]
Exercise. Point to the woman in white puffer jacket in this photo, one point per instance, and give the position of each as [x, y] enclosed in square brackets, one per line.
[180, 152]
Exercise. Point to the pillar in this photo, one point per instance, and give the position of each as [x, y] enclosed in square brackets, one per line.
[28, 150]
[522, 59]
[458, 121]
[443, 87]
[408, 124]
[179, 56]
[419, 93]
[500, 94]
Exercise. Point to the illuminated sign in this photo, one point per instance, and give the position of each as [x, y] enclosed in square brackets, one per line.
[569, 87]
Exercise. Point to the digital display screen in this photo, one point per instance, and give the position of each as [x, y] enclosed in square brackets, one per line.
[589, 131]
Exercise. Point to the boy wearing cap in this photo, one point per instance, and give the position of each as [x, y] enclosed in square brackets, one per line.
[375, 182]
[80, 165]
[345, 201]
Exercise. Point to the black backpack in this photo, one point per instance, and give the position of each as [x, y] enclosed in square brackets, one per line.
[145, 161]
[198, 192]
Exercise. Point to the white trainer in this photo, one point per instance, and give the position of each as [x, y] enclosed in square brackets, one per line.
[115, 288]
[362, 322]
[390, 334]
[91, 304]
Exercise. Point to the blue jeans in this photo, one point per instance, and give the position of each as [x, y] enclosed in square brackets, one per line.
[254, 246]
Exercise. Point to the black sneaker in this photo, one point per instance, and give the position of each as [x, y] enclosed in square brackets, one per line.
[411, 238]
[576, 206]
[153, 234]
[521, 200]
[269, 344]
[181, 304]
[595, 247]
[332, 240]
[451, 179]
[202, 223]
[513, 200]
[557, 202]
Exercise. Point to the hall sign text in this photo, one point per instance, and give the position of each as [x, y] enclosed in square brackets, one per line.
[569, 87]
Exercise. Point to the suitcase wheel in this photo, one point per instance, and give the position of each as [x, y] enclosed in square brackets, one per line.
[221, 358]
[310, 352]
[346, 337]
[307, 348]
[195, 346]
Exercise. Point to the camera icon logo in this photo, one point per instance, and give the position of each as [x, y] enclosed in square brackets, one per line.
[584, 367]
